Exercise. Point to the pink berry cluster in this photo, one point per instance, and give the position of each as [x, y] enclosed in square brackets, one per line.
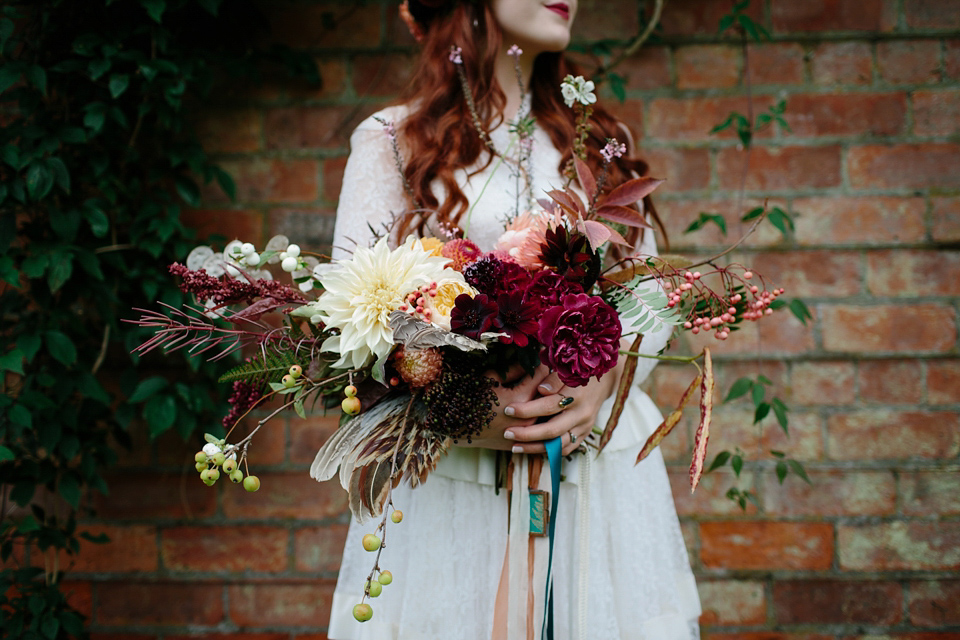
[417, 301]
[717, 313]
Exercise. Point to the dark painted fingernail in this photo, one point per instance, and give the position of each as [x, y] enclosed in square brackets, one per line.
[565, 402]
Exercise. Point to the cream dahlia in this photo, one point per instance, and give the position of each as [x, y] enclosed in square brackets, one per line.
[360, 293]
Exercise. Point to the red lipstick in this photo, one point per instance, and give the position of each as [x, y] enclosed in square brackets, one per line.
[561, 9]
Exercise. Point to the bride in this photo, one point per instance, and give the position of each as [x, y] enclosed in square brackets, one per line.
[462, 567]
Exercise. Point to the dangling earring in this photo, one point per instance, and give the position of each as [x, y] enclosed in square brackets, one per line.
[476, 23]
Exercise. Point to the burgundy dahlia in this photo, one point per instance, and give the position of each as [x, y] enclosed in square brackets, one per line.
[569, 254]
[549, 288]
[581, 338]
[517, 320]
[485, 274]
[473, 316]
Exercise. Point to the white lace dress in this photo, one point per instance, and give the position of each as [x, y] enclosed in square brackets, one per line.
[620, 565]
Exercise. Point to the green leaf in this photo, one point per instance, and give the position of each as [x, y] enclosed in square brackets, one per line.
[736, 463]
[96, 218]
[799, 309]
[155, 8]
[6, 30]
[781, 471]
[762, 410]
[212, 6]
[160, 412]
[780, 410]
[757, 394]
[29, 344]
[35, 265]
[12, 361]
[705, 218]
[188, 190]
[118, 84]
[98, 67]
[782, 221]
[720, 460]
[95, 117]
[20, 415]
[39, 180]
[90, 263]
[37, 76]
[50, 626]
[28, 524]
[60, 347]
[799, 470]
[298, 408]
[65, 224]
[147, 388]
[70, 489]
[9, 273]
[618, 86]
[756, 212]
[90, 387]
[5, 454]
[739, 388]
[9, 75]
[723, 125]
[10, 155]
[61, 268]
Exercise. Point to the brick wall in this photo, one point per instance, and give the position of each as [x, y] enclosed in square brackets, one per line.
[871, 170]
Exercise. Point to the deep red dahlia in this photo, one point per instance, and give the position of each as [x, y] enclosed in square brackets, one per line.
[473, 316]
[517, 319]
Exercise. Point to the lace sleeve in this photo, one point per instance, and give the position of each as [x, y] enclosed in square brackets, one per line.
[372, 192]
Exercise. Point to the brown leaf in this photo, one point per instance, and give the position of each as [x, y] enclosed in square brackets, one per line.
[626, 382]
[670, 422]
[596, 232]
[632, 191]
[703, 429]
[587, 181]
[569, 202]
[623, 215]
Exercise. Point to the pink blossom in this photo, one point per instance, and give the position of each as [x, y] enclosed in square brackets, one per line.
[455, 55]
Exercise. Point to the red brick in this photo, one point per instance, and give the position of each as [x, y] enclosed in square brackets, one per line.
[921, 166]
[889, 328]
[891, 381]
[319, 548]
[160, 604]
[766, 545]
[598, 19]
[781, 168]
[699, 17]
[826, 383]
[123, 636]
[833, 493]
[930, 493]
[79, 596]
[899, 546]
[691, 541]
[287, 495]
[327, 25]
[269, 446]
[271, 180]
[891, 435]
[943, 382]
[909, 62]
[842, 63]
[913, 273]
[779, 63]
[779, 334]
[768, 635]
[869, 219]
[932, 14]
[630, 113]
[946, 219]
[225, 130]
[333, 81]
[727, 373]
[872, 114]
[827, 15]
[307, 127]
[678, 214]
[934, 603]
[246, 224]
[683, 169]
[951, 61]
[310, 227]
[818, 272]
[307, 436]
[333, 178]
[835, 602]
[131, 548]
[710, 498]
[692, 118]
[936, 113]
[232, 548]
[383, 75]
[733, 427]
[288, 603]
[648, 69]
[732, 602]
[155, 495]
[708, 66]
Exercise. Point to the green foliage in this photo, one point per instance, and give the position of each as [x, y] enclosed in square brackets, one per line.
[97, 161]
[706, 218]
[738, 20]
[647, 311]
[263, 368]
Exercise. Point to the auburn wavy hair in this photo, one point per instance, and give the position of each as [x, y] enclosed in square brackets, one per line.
[439, 137]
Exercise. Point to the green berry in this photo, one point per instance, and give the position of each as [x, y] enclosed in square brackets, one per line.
[209, 482]
[200, 457]
[374, 588]
[229, 466]
[236, 477]
[396, 516]
[218, 458]
[201, 466]
[209, 476]
[362, 612]
[296, 371]
[385, 577]
[251, 483]
[288, 381]
[350, 391]
[370, 542]
[351, 406]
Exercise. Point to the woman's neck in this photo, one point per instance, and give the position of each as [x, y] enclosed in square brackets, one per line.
[506, 73]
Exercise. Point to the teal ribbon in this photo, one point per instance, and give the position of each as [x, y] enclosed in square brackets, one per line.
[554, 453]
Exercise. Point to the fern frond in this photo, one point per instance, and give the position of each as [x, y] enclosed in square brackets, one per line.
[269, 365]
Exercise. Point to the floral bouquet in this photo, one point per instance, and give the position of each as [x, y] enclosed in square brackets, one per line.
[411, 339]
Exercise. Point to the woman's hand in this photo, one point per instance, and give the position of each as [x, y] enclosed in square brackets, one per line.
[516, 391]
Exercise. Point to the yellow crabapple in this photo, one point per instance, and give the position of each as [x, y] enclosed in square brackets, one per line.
[351, 406]
[229, 466]
[374, 588]
[370, 542]
[385, 577]
[295, 371]
[251, 483]
[362, 612]
[396, 516]
[350, 391]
